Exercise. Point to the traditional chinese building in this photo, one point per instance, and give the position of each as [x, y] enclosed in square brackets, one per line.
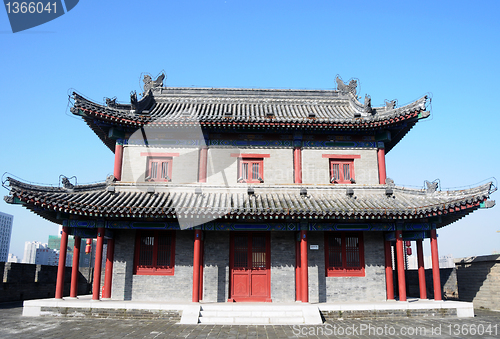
[250, 195]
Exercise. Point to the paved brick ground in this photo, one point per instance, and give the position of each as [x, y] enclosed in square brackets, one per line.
[486, 324]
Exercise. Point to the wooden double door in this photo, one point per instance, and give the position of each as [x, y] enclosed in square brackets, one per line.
[250, 263]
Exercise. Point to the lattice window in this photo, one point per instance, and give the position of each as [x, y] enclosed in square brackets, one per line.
[155, 253]
[342, 171]
[251, 170]
[159, 169]
[344, 254]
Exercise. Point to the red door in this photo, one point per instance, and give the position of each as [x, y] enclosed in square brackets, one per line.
[250, 267]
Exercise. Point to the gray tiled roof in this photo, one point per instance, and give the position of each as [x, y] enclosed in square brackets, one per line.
[126, 200]
[186, 105]
[255, 108]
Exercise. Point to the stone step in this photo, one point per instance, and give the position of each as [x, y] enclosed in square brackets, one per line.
[251, 314]
[252, 320]
[243, 307]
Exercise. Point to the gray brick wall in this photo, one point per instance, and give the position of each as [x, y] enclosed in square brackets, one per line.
[216, 266]
[283, 266]
[127, 286]
[479, 280]
[371, 287]
[177, 287]
[123, 265]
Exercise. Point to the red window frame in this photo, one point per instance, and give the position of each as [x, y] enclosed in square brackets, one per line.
[342, 171]
[250, 170]
[151, 247]
[157, 167]
[344, 254]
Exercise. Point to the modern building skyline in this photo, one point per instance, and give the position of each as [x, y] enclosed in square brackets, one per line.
[6, 221]
[30, 247]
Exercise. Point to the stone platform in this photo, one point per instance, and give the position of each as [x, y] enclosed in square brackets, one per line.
[244, 313]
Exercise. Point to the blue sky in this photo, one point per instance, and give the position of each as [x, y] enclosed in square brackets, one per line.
[397, 49]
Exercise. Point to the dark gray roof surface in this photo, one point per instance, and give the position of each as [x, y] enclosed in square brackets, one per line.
[122, 200]
[255, 108]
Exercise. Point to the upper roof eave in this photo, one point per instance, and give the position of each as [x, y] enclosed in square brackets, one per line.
[344, 110]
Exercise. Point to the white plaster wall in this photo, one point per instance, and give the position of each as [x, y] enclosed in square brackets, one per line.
[223, 168]
[184, 166]
[316, 170]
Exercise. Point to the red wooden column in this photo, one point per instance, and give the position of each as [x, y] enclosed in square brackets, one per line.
[202, 172]
[298, 276]
[118, 161]
[382, 176]
[303, 263]
[97, 264]
[108, 271]
[196, 265]
[389, 280]
[435, 266]
[401, 266]
[297, 165]
[62, 263]
[421, 270]
[76, 265]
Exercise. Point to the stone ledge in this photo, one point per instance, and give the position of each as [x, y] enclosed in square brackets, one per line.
[109, 313]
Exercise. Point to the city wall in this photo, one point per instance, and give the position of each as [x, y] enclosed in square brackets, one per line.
[29, 281]
[479, 280]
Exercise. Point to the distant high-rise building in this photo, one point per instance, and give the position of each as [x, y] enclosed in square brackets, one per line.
[85, 259]
[30, 248]
[6, 221]
[47, 256]
[13, 258]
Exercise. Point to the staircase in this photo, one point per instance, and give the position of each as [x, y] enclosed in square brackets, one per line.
[259, 314]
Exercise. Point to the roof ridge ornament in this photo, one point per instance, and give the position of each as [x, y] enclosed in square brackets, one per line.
[66, 183]
[368, 104]
[110, 180]
[149, 83]
[343, 88]
[390, 104]
[111, 102]
[431, 186]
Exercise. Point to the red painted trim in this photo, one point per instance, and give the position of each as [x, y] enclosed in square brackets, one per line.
[74, 268]
[62, 263]
[341, 156]
[344, 271]
[202, 261]
[436, 278]
[297, 165]
[250, 155]
[117, 173]
[108, 272]
[196, 266]
[153, 269]
[298, 277]
[150, 154]
[382, 176]
[421, 270]
[401, 266]
[97, 265]
[304, 284]
[389, 278]
[202, 170]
